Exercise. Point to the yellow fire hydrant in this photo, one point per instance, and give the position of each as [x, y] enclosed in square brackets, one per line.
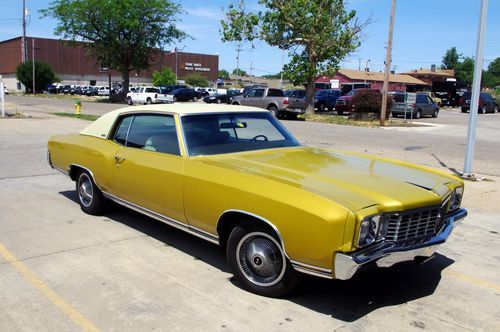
[78, 106]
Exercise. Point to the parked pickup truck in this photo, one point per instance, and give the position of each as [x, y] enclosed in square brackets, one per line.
[273, 100]
[144, 95]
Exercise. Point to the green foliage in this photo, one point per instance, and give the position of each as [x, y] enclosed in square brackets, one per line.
[451, 59]
[223, 73]
[317, 34]
[196, 80]
[44, 75]
[491, 77]
[164, 77]
[370, 101]
[464, 71]
[239, 72]
[276, 76]
[122, 34]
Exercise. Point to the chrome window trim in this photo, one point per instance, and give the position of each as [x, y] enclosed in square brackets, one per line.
[167, 220]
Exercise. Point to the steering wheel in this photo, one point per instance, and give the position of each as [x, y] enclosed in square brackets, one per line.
[265, 139]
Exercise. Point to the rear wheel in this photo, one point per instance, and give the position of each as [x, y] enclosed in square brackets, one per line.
[495, 109]
[195, 99]
[322, 107]
[218, 101]
[149, 101]
[273, 109]
[175, 99]
[482, 110]
[435, 114]
[258, 261]
[89, 196]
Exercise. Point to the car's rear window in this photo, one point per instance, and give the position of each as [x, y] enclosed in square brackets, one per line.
[154, 90]
[275, 93]
[399, 98]
[209, 134]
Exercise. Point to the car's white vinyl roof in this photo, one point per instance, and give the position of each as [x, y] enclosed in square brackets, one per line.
[101, 127]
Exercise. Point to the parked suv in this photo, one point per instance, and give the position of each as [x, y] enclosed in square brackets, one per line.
[486, 103]
[272, 99]
[411, 105]
[326, 99]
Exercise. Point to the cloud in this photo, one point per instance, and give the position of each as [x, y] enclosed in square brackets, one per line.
[205, 13]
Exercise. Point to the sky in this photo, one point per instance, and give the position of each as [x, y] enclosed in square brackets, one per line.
[423, 31]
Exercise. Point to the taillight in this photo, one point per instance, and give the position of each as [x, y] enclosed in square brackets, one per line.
[285, 102]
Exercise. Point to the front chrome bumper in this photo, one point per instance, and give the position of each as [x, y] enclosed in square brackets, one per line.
[387, 254]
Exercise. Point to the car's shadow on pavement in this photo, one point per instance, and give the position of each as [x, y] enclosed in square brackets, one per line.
[343, 300]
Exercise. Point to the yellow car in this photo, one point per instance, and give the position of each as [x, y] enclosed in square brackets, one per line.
[236, 177]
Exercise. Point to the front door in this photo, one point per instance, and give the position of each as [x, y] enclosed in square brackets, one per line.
[148, 166]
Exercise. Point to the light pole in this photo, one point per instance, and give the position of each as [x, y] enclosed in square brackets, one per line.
[177, 65]
[476, 88]
[387, 72]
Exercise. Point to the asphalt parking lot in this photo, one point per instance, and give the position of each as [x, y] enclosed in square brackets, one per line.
[61, 269]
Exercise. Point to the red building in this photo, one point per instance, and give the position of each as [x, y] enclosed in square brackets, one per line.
[74, 65]
[397, 82]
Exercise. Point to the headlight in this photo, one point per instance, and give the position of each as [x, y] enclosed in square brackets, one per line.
[456, 198]
[372, 229]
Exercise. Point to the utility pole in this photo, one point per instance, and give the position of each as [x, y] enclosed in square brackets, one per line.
[366, 68]
[33, 61]
[282, 67]
[238, 50]
[23, 40]
[476, 88]
[359, 64]
[388, 57]
[2, 96]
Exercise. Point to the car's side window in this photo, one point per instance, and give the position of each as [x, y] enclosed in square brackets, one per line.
[153, 132]
[121, 131]
[259, 93]
[251, 93]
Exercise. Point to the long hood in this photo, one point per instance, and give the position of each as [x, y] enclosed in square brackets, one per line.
[353, 180]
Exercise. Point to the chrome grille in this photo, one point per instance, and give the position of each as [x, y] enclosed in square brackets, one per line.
[412, 226]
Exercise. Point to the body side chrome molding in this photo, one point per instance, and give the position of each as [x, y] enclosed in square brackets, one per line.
[312, 270]
[167, 220]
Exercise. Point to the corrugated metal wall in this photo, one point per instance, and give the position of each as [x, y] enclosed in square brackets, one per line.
[75, 60]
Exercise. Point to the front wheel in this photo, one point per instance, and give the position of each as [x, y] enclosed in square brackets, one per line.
[418, 114]
[89, 196]
[482, 110]
[322, 107]
[258, 262]
[195, 99]
[495, 109]
[129, 101]
[435, 114]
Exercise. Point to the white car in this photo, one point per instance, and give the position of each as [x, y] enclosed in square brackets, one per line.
[5, 90]
[103, 91]
[144, 95]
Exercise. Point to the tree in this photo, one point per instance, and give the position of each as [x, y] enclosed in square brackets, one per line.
[492, 75]
[451, 59]
[196, 80]
[164, 77]
[240, 72]
[44, 75]
[317, 34]
[223, 73]
[464, 72]
[123, 34]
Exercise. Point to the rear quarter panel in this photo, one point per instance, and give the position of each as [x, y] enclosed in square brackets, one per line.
[95, 154]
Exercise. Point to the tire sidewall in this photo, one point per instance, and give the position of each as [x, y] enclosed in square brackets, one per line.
[96, 206]
[282, 287]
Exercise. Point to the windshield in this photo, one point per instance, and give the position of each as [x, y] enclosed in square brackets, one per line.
[234, 132]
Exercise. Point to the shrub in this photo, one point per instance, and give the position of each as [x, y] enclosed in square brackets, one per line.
[44, 75]
[196, 80]
[370, 101]
[164, 77]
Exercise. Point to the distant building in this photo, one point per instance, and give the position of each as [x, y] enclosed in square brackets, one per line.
[74, 65]
[397, 82]
[432, 75]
